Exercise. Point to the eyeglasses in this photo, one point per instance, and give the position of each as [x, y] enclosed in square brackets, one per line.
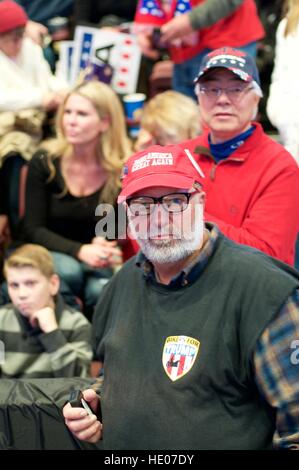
[234, 93]
[145, 205]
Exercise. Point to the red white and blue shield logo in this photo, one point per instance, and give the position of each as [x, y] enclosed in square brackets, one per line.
[179, 354]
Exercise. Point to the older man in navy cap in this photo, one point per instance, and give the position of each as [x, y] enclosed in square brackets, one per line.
[252, 182]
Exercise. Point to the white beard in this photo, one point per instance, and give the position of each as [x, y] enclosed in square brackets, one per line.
[175, 248]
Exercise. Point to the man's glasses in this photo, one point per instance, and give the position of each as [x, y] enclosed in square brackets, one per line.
[234, 93]
[144, 205]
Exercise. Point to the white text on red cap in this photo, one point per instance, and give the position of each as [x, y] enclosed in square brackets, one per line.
[152, 159]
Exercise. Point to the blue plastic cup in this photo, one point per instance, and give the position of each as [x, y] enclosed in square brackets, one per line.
[133, 104]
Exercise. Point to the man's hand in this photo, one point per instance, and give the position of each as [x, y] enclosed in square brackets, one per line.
[176, 28]
[145, 43]
[44, 318]
[36, 32]
[84, 426]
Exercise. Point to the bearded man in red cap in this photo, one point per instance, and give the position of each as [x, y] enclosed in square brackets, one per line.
[188, 335]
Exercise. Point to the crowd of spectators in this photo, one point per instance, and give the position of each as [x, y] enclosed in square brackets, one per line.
[69, 143]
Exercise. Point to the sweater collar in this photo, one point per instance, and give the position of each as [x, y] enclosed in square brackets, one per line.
[225, 149]
[243, 151]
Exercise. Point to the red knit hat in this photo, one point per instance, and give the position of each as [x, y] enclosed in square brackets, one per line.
[12, 16]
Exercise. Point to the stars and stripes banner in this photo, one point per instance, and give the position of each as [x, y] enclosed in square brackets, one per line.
[152, 11]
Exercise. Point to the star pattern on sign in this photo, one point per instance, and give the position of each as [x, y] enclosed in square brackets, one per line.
[182, 6]
[151, 7]
[235, 64]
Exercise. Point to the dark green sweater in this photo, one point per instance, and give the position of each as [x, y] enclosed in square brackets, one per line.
[147, 334]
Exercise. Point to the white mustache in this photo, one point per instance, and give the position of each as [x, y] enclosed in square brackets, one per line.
[155, 232]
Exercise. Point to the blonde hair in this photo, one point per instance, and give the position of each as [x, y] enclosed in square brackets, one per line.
[113, 147]
[32, 256]
[173, 113]
[292, 15]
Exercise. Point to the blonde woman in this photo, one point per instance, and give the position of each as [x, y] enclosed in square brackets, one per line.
[283, 102]
[168, 118]
[69, 177]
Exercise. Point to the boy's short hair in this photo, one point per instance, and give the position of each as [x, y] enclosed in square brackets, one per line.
[32, 256]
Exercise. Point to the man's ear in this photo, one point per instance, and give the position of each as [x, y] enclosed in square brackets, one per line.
[54, 284]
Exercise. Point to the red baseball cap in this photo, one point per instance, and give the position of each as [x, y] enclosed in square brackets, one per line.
[169, 166]
[12, 16]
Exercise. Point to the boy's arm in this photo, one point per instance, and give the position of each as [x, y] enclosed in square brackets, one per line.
[70, 357]
[45, 318]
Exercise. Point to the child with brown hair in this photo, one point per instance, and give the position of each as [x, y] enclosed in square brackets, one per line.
[42, 337]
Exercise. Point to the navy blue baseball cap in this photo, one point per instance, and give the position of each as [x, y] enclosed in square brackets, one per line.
[235, 60]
